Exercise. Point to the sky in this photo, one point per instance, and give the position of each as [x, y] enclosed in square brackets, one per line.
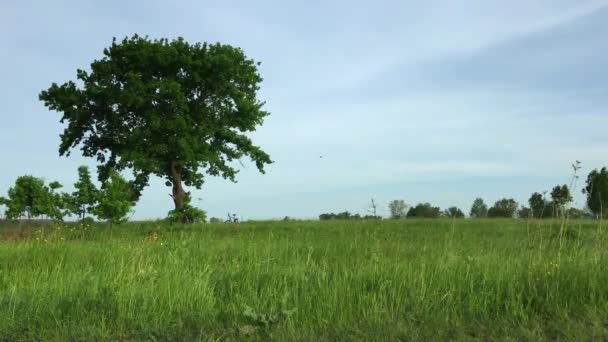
[434, 101]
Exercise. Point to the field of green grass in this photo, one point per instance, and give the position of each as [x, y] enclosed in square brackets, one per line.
[306, 280]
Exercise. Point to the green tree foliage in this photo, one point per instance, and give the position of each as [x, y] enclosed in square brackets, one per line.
[166, 108]
[82, 201]
[397, 209]
[345, 215]
[56, 204]
[31, 198]
[479, 209]
[505, 207]
[596, 189]
[424, 210]
[115, 199]
[453, 212]
[524, 213]
[560, 196]
[539, 206]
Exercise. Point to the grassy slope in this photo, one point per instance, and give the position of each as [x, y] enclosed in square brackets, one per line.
[388, 280]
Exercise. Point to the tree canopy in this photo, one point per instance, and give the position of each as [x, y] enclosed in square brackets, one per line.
[166, 108]
[397, 209]
[596, 189]
[31, 198]
[84, 198]
[560, 196]
[115, 199]
[505, 207]
[424, 210]
[538, 206]
[479, 209]
[453, 212]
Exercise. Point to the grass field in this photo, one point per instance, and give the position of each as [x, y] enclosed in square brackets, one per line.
[305, 280]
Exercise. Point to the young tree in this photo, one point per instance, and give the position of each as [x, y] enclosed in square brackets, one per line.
[115, 199]
[31, 198]
[453, 212]
[505, 207]
[560, 196]
[55, 203]
[397, 209]
[479, 209]
[538, 205]
[166, 108]
[596, 189]
[82, 201]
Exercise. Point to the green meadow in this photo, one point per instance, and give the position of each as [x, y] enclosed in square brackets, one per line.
[361, 280]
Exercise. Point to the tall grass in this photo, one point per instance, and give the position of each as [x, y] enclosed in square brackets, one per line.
[333, 280]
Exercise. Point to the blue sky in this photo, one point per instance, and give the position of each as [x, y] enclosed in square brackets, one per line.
[438, 101]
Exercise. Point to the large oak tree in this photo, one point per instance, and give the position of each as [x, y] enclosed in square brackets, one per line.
[166, 108]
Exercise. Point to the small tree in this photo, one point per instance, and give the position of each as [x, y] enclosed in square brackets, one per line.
[84, 199]
[538, 205]
[596, 190]
[31, 198]
[55, 204]
[115, 199]
[561, 197]
[397, 209]
[479, 209]
[453, 212]
[505, 207]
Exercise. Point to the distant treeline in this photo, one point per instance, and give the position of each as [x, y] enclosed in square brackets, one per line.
[345, 215]
[555, 204]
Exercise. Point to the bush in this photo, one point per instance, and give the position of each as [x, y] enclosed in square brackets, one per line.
[187, 214]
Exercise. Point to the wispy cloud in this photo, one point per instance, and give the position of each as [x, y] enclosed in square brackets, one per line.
[439, 101]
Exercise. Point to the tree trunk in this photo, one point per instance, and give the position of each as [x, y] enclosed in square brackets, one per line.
[178, 194]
